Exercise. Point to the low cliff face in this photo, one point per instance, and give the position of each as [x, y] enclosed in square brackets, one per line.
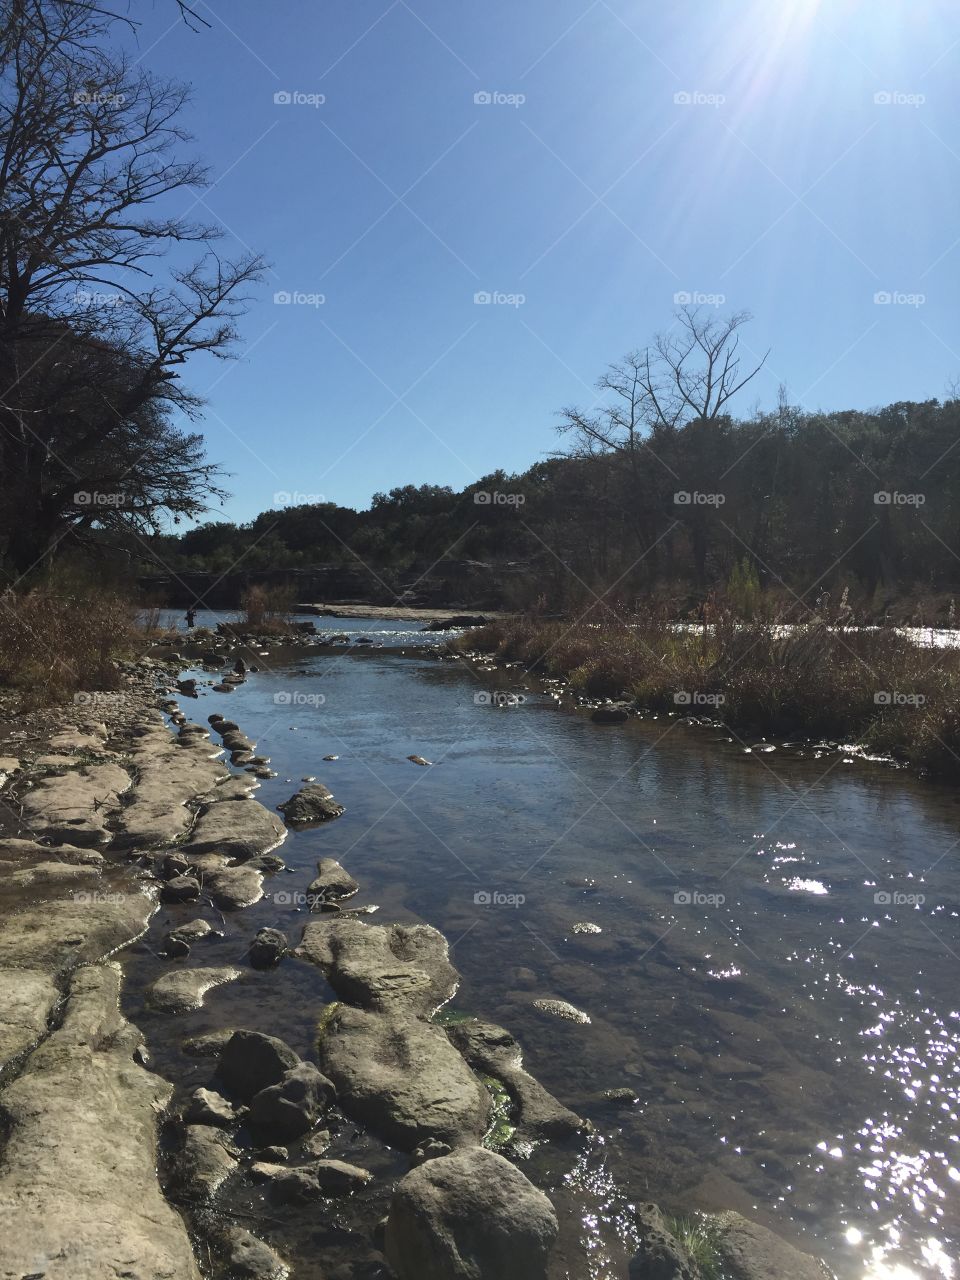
[468, 584]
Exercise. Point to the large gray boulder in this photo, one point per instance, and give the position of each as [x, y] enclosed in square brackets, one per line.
[403, 1078]
[241, 829]
[382, 967]
[78, 1189]
[204, 1163]
[469, 1216]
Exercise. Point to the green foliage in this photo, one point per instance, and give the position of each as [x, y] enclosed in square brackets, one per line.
[700, 1237]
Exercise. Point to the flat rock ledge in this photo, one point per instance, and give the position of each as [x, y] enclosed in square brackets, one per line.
[78, 1188]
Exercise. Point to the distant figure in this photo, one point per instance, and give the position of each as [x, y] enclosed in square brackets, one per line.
[190, 616]
[240, 667]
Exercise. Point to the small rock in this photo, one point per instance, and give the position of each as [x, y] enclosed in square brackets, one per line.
[419, 760]
[268, 948]
[338, 1177]
[560, 1009]
[613, 713]
[583, 926]
[210, 1045]
[248, 1258]
[619, 1097]
[317, 1143]
[208, 1107]
[181, 889]
[429, 1150]
[272, 1155]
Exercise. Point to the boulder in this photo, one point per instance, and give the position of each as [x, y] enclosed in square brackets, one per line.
[239, 829]
[660, 1256]
[751, 1252]
[234, 887]
[251, 1061]
[181, 889]
[290, 1108]
[332, 884]
[493, 1051]
[204, 1163]
[403, 1078]
[313, 803]
[336, 1177]
[268, 948]
[247, 1258]
[182, 990]
[382, 966]
[469, 1216]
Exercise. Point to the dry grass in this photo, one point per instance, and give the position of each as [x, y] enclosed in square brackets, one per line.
[872, 687]
[266, 609]
[52, 645]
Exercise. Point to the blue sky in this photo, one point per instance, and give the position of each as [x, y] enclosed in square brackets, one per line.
[795, 158]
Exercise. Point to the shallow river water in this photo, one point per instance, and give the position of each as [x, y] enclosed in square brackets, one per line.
[776, 972]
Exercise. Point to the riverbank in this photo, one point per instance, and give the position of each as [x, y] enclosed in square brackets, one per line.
[154, 817]
[880, 690]
[402, 613]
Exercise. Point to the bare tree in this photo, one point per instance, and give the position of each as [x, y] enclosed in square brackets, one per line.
[89, 146]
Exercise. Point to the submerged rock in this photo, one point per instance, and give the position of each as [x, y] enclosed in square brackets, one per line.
[560, 1009]
[751, 1252]
[612, 713]
[469, 1216]
[183, 989]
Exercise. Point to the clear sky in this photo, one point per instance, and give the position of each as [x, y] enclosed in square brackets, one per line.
[795, 158]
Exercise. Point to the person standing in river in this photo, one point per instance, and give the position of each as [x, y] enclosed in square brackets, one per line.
[190, 617]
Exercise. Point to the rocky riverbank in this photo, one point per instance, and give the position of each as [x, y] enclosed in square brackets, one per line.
[110, 816]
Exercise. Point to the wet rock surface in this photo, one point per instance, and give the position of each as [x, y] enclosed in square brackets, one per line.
[469, 1216]
[182, 990]
[312, 803]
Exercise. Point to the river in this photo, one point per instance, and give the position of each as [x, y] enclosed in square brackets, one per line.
[775, 971]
